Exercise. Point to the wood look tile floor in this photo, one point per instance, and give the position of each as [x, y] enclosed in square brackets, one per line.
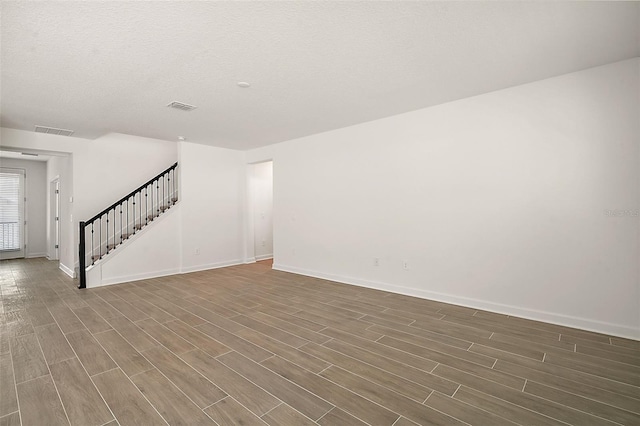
[247, 345]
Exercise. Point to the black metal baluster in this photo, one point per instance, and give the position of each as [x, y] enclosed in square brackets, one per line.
[158, 195]
[100, 240]
[146, 205]
[128, 230]
[164, 199]
[134, 213]
[93, 257]
[114, 228]
[151, 208]
[121, 237]
[107, 239]
[169, 188]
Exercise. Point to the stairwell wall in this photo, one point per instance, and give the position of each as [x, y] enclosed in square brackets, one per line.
[102, 171]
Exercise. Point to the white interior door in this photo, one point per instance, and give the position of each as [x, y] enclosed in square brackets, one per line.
[12, 208]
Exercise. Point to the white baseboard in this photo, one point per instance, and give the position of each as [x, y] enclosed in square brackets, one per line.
[33, 255]
[550, 317]
[137, 277]
[162, 273]
[264, 257]
[67, 270]
[196, 268]
[250, 260]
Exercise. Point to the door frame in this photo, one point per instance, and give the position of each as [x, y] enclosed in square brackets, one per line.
[54, 219]
[250, 212]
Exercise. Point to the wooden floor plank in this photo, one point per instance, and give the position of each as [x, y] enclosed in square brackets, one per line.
[126, 356]
[393, 401]
[197, 338]
[133, 334]
[125, 400]
[54, 344]
[198, 388]
[80, 398]
[294, 395]
[465, 412]
[338, 417]
[12, 419]
[40, 403]
[66, 319]
[90, 318]
[244, 391]
[383, 378]
[8, 397]
[28, 361]
[90, 353]
[167, 399]
[238, 344]
[166, 337]
[341, 397]
[229, 412]
[285, 415]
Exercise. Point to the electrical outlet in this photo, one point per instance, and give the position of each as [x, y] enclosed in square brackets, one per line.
[405, 264]
[376, 261]
[197, 251]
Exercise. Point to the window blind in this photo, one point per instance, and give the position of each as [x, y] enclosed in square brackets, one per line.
[11, 209]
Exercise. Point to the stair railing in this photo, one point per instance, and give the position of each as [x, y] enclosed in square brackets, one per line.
[108, 229]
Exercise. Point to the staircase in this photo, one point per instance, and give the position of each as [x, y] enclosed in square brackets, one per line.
[110, 228]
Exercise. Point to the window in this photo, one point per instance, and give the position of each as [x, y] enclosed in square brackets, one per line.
[11, 209]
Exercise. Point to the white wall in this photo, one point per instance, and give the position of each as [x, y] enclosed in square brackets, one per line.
[211, 187]
[153, 252]
[261, 208]
[102, 171]
[496, 201]
[36, 206]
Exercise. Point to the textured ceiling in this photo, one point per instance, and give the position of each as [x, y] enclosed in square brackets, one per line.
[99, 67]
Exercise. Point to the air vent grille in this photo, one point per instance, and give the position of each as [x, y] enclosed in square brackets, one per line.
[181, 106]
[53, 131]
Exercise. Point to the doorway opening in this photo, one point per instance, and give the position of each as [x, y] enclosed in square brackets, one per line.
[261, 210]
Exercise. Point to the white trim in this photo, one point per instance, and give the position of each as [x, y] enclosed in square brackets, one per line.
[550, 317]
[250, 260]
[264, 257]
[32, 255]
[210, 266]
[67, 270]
[137, 277]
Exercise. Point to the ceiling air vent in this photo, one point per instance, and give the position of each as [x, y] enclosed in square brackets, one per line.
[53, 131]
[181, 106]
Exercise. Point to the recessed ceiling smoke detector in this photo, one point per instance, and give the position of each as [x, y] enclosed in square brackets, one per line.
[244, 84]
[53, 131]
[181, 106]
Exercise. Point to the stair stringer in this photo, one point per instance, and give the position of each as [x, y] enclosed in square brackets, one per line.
[153, 251]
